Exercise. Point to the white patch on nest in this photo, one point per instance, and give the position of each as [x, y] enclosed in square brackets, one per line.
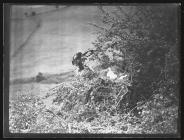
[111, 74]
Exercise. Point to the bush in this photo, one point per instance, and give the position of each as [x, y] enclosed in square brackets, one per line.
[39, 77]
[33, 13]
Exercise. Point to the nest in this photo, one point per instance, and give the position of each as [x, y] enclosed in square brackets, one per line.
[89, 95]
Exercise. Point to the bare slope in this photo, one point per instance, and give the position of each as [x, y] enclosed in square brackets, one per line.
[61, 34]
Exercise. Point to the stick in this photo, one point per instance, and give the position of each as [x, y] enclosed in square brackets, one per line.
[98, 26]
[121, 98]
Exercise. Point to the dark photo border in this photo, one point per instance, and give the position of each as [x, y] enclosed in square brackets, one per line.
[6, 69]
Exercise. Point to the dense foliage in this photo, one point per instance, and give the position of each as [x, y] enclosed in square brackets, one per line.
[143, 43]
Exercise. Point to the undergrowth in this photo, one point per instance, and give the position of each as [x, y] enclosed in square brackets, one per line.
[91, 106]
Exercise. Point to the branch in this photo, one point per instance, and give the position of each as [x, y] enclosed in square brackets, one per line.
[121, 10]
[121, 97]
[97, 26]
[102, 10]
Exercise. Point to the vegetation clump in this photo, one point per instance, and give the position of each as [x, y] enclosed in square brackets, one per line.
[39, 77]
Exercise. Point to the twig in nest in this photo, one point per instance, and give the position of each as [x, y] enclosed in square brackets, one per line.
[97, 26]
[121, 97]
[54, 115]
[133, 109]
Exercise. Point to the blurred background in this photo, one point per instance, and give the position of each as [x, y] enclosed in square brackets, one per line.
[44, 38]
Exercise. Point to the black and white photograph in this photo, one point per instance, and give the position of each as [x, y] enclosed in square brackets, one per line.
[94, 69]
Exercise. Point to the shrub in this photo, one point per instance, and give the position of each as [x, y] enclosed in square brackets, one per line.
[39, 77]
[33, 13]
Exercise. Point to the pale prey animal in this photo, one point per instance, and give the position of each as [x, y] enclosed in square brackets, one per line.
[111, 75]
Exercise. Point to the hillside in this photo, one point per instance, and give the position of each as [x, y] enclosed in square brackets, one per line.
[50, 48]
[47, 78]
